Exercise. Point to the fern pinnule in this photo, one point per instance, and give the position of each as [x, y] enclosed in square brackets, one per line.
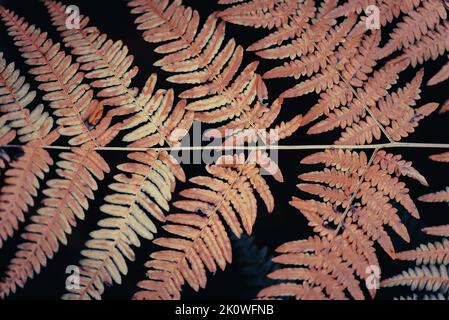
[6, 136]
[199, 240]
[431, 278]
[143, 189]
[441, 76]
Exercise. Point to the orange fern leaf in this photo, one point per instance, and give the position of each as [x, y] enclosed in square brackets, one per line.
[143, 187]
[56, 73]
[33, 128]
[335, 262]
[431, 253]
[418, 23]
[200, 57]
[200, 240]
[108, 64]
[430, 46]
[67, 197]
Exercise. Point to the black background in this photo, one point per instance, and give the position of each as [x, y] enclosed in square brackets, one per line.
[271, 230]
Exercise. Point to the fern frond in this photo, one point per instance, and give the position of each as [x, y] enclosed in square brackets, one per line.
[312, 266]
[59, 77]
[335, 262]
[143, 189]
[66, 197]
[201, 58]
[431, 278]
[67, 200]
[418, 23]
[109, 67]
[430, 46]
[106, 63]
[33, 128]
[199, 240]
[431, 253]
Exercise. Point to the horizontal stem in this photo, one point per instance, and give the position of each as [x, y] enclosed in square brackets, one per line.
[271, 147]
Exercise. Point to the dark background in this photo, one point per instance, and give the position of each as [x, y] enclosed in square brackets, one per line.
[271, 230]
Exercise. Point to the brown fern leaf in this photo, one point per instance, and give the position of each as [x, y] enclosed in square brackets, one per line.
[318, 268]
[143, 189]
[416, 24]
[394, 164]
[267, 14]
[202, 58]
[430, 46]
[335, 262]
[200, 241]
[441, 76]
[33, 128]
[67, 199]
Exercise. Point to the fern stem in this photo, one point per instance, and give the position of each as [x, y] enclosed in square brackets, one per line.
[421, 145]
